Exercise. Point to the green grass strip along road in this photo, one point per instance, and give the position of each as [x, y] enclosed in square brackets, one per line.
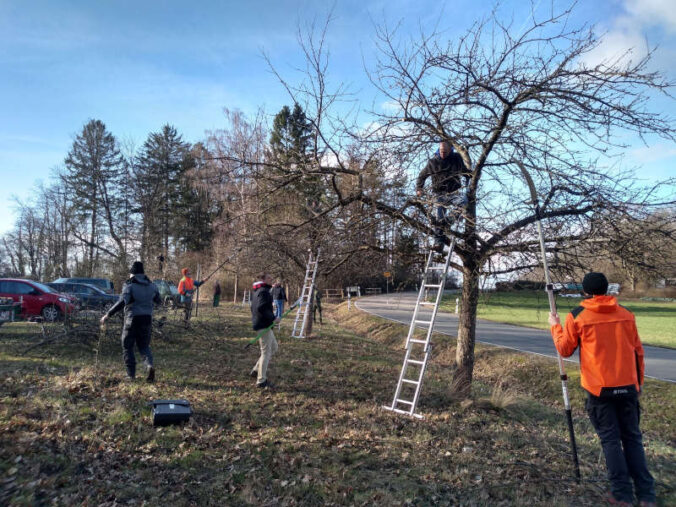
[655, 319]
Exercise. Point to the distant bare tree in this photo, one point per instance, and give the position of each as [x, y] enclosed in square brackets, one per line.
[639, 246]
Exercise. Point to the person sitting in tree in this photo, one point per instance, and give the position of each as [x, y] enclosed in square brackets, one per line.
[446, 169]
[186, 288]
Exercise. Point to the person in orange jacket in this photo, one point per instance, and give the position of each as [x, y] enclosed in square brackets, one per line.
[186, 288]
[611, 369]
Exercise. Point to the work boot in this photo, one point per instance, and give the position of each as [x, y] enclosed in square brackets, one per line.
[253, 374]
[151, 375]
[264, 385]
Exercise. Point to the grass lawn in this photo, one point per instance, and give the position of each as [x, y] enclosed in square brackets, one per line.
[74, 434]
[655, 319]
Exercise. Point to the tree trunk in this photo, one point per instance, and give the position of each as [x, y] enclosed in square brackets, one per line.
[464, 354]
[234, 297]
[144, 240]
[92, 238]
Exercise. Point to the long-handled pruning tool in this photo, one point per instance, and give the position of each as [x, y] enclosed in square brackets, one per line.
[552, 308]
[237, 250]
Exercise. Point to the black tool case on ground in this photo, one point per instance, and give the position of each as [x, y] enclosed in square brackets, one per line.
[167, 412]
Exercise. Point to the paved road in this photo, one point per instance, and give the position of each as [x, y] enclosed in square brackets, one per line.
[660, 362]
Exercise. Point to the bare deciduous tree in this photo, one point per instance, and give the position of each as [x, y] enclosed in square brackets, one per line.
[503, 97]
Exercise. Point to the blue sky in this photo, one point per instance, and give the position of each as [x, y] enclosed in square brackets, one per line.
[137, 65]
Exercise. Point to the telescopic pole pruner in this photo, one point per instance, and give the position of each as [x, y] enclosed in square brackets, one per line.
[237, 250]
[552, 308]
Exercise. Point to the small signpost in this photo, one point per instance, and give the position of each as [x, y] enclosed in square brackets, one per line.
[388, 277]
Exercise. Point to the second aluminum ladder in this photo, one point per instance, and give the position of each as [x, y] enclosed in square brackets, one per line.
[305, 302]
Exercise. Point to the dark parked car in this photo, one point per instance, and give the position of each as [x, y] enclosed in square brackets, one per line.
[168, 293]
[101, 283]
[37, 298]
[88, 295]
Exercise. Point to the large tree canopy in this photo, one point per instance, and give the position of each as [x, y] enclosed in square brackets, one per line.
[507, 99]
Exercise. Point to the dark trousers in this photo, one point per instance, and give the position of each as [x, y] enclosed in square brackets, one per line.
[187, 305]
[217, 299]
[315, 308]
[448, 209]
[136, 331]
[616, 420]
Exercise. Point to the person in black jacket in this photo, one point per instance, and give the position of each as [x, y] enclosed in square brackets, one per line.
[263, 317]
[446, 169]
[278, 298]
[317, 306]
[217, 293]
[138, 297]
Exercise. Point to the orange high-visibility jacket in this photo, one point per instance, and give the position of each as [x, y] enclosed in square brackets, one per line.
[185, 284]
[611, 354]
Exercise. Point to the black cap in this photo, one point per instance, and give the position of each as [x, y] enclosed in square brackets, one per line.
[137, 268]
[595, 284]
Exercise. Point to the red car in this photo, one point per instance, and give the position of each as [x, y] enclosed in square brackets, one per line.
[38, 299]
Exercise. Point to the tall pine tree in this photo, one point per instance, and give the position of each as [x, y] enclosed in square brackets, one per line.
[93, 176]
[158, 174]
[291, 151]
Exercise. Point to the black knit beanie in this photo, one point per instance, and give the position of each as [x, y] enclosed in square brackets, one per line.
[595, 284]
[137, 268]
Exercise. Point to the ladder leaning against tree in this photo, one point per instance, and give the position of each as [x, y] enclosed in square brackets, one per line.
[304, 302]
[418, 351]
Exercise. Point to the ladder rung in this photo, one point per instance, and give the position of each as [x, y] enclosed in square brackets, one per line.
[417, 341]
[405, 412]
[427, 303]
[410, 381]
[432, 286]
[399, 400]
[415, 361]
[437, 268]
[423, 321]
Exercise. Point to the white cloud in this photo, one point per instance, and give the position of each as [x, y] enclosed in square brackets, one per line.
[628, 36]
[391, 106]
[655, 153]
[369, 128]
[653, 12]
[621, 45]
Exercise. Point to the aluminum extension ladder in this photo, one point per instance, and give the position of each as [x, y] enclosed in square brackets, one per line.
[246, 298]
[304, 302]
[418, 351]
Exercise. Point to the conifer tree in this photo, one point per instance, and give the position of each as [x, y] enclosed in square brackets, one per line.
[158, 173]
[93, 176]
